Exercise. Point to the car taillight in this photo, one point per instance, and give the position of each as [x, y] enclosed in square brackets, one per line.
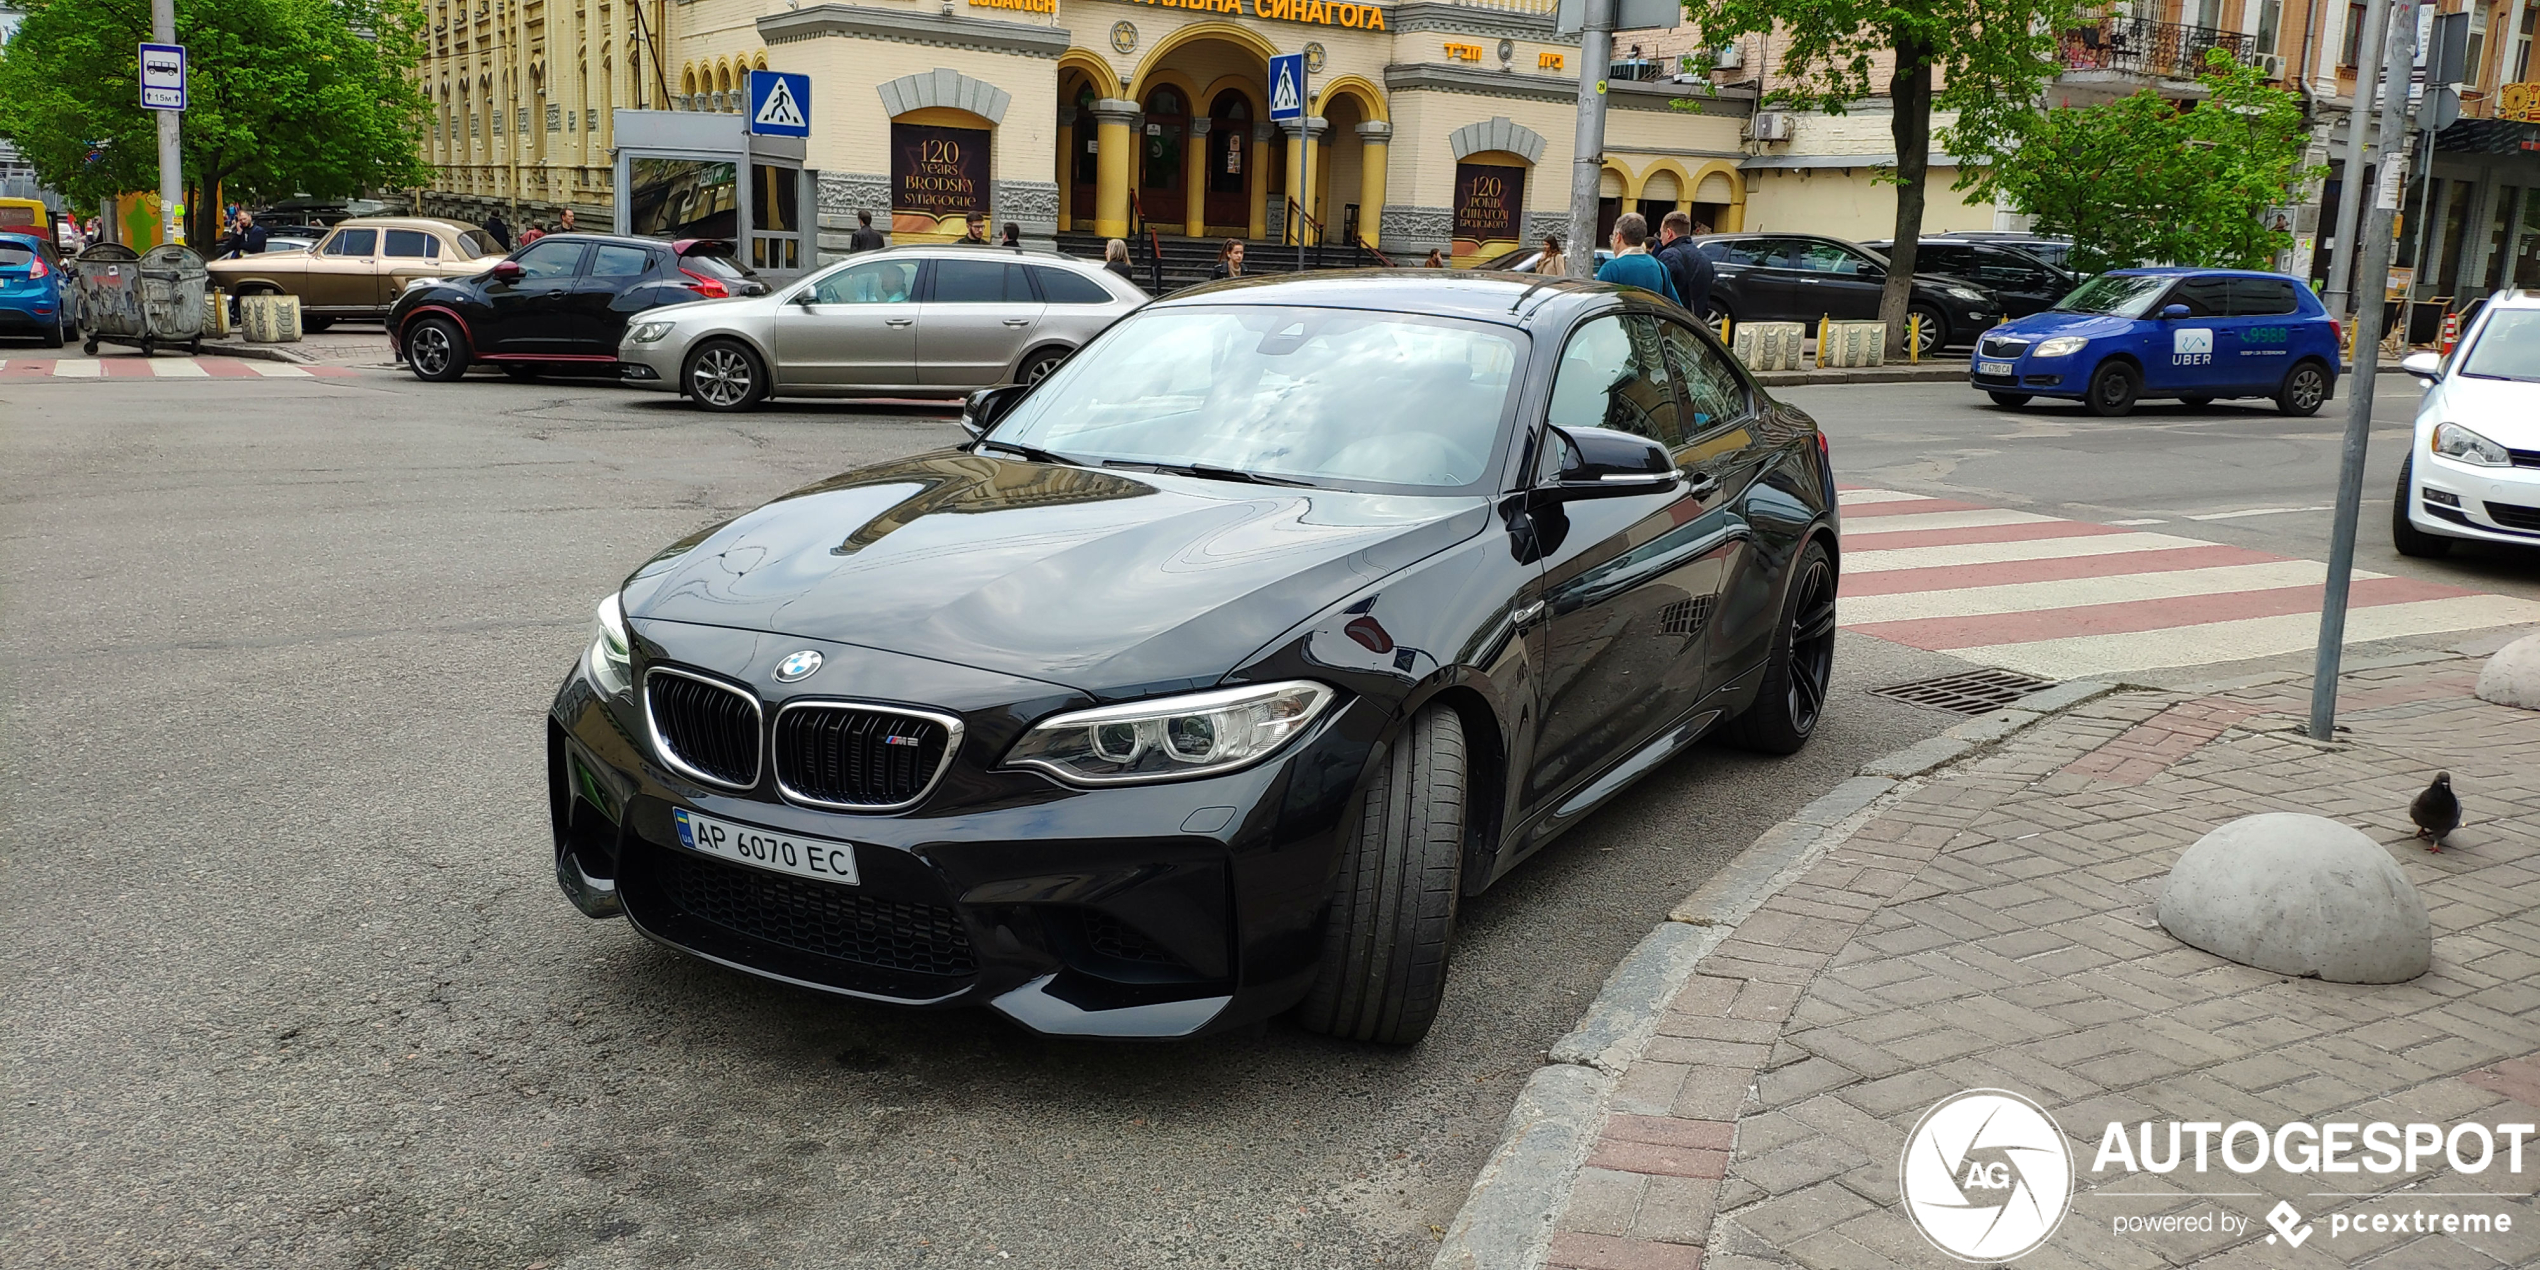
[39, 271]
[706, 287]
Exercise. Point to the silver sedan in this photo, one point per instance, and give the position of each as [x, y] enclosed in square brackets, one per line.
[908, 321]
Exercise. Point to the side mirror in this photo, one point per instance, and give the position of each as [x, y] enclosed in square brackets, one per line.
[1604, 463]
[2425, 366]
[507, 271]
[981, 410]
[805, 297]
[2173, 312]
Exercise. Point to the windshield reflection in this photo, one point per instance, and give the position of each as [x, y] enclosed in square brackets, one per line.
[2118, 295]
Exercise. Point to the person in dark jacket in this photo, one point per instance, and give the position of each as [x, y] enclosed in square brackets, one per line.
[1115, 257]
[865, 237]
[1687, 267]
[498, 231]
[251, 234]
[1012, 237]
[1632, 265]
[1230, 260]
[977, 235]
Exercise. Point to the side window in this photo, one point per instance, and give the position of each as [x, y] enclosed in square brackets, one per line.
[877, 282]
[1819, 257]
[549, 260]
[409, 244]
[353, 242]
[1058, 286]
[980, 282]
[1613, 375]
[1712, 390]
[614, 260]
[2262, 297]
[1943, 258]
[2204, 297]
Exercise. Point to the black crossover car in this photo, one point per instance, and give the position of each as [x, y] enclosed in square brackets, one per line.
[2024, 282]
[559, 303]
[1205, 680]
[1801, 278]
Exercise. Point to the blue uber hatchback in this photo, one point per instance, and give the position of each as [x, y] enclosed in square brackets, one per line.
[2193, 334]
[31, 286]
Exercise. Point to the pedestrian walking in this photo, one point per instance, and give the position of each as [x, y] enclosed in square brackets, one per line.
[564, 221]
[251, 234]
[1548, 262]
[1436, 260]
[978, 235]
[1632, 265]
[1013, 235]
[865, 237]
[532, 234]
[1687, 267]
[498, 231]
[1115, 257]
[1230, 260]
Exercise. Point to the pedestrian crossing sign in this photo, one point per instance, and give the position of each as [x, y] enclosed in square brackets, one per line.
[780, 104]
[1287, 87]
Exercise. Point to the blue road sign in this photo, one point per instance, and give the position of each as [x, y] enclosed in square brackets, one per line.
[163, 76]
[1287, 87]
[780, 104]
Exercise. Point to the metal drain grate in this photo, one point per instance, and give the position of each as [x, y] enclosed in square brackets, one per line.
[1974, 692]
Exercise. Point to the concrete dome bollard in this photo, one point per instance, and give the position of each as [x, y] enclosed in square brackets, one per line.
[2299, 895]
[2512, 676]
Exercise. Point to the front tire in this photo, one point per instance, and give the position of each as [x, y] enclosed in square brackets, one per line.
[2009, 400]
[435, 351]
[2305, 388]
[1931, 334]
[724, 376]
[1800, 674]
[1392, 917]
[2113, 388]
[2404, 535]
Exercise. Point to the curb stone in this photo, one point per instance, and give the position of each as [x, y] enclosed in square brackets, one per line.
[258, 353]
[1507, 1218]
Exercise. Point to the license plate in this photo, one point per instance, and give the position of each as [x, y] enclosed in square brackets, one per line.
[1993, 368]
[817, 858]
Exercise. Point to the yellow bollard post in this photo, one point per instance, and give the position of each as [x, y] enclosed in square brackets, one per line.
[1914, 339]
[1822, 320]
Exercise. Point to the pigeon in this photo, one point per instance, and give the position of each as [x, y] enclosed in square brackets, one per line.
[2436, 811]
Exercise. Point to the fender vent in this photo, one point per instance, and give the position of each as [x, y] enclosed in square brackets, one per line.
[1973, 692]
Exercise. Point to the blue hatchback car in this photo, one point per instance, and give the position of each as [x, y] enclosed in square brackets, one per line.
[31, 285]
[2193, 334]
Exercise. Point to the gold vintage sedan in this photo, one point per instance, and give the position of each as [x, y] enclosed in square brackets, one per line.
[361, 265]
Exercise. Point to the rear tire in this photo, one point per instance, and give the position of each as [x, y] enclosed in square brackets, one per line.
[1800, 674]
[1392, 916]
[53, 337]
[2305, 388]
[1038, 366]
[2009, 400]
[435, 351]
[1935, 331]
[2113, 388]
[2404, 535]
[724, 376]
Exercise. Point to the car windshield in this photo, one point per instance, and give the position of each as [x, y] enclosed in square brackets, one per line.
[2509, 348]
[1290, 394]
[2122, 295]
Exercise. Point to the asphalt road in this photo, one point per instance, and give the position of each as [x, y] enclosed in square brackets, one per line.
[289, 982]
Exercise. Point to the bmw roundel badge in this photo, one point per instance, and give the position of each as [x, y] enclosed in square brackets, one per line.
[797, 666]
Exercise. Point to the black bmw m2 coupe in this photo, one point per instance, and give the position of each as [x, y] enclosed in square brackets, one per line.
[1216, 668]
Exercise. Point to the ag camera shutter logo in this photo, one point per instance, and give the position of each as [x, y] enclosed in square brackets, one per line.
[1986, 1176]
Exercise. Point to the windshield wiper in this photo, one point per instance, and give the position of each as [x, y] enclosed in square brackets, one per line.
[1207, 472]
[1031, 453]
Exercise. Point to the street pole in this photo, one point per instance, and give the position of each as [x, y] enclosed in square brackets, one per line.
[1587, 156]
[2373, 270]
[2350, 199]
[171, 152]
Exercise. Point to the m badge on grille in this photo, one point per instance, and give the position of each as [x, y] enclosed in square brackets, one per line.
[797, 666]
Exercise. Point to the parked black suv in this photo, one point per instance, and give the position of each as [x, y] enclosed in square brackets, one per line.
[1804, 277]
[559, 303]
[2024, 281]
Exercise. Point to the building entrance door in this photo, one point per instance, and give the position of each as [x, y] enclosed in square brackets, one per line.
[1084, 165]
[1166, 148]
[1230, 174]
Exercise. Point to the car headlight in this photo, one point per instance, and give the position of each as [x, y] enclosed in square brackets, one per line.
[2060, 346]
[649, 332]
[1175, 738]
[1967, 294]
[612, 667]
[2453, 441]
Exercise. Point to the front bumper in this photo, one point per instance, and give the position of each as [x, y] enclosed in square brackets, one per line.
[654, 365]
[1152, 911]
[2463, 500]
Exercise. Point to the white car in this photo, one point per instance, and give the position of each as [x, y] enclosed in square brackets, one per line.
[2473, 470]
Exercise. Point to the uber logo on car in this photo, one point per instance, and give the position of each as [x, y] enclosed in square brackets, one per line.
[2192, 346]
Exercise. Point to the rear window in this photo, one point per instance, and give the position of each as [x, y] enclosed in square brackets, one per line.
[612, 260]
[2262, 297]
[718, 267]
[409, 243]
[15, 255]
[478, 245]
[1059, 286]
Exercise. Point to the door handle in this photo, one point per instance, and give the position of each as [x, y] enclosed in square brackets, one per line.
[1018, 321]
[1704, 485]
[1520, 617]
[899, 321]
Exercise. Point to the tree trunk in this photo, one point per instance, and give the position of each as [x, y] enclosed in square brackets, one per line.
[1910, 92]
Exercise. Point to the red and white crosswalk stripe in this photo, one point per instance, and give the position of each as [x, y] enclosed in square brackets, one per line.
[2066, 599]
[137, 367]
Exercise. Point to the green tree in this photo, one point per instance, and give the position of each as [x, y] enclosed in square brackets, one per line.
[1985, 60]
[285, 97]
[2148, 180]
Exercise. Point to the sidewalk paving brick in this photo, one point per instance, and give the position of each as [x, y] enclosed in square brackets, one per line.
[1993, 925]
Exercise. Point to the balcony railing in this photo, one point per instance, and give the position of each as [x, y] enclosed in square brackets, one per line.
[2165, 50]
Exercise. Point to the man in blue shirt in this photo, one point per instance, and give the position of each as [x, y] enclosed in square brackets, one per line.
[1632, 265]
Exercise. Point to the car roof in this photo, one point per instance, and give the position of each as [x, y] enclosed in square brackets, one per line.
[12, 233]
[2173, 271]
[1482, 295]
[954, 251]
[389, 222]
[2519, 298]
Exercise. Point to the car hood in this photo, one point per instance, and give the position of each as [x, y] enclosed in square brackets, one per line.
[2505, 411]
[1115, 583]
[2058, 322]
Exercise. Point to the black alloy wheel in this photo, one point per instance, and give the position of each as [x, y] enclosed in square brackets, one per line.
[1039, 368]
[1929, 334]
[2305, 388]
[2113, 388]
[724, 376]
[435, 351]
[1392, 917]
[1800, 675]
[2009, 400]
[2404, 535]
